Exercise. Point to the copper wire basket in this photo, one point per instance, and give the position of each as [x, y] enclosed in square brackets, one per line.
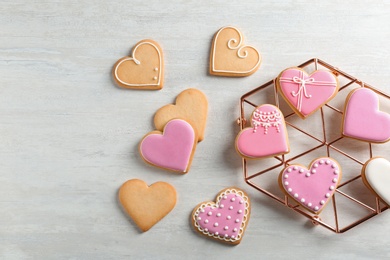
[353, 205]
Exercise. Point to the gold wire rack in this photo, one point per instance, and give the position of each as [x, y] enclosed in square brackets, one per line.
[325, 142]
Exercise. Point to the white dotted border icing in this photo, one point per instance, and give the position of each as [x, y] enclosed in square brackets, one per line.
[216, 205]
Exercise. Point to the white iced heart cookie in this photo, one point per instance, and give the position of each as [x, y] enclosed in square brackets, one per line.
[376, 176]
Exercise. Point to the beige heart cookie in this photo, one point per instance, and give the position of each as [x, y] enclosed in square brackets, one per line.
[147, 205]
[230, 57]
[191, 105]
[143, 70]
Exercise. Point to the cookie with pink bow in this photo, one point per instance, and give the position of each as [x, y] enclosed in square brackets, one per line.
[306, 93]
[267, 135]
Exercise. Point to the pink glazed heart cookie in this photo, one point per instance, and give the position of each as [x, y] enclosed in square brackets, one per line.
[171, 149]
[226, 219]
[311, 188]
[307, 93]
[362, 118]
[267, 136]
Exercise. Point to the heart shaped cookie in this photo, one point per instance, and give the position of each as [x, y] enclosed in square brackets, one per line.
[362, 119]
[171, 149]
[307, 93]
[376, 176]
[143, 70]
[147, 205]
[226, 219]
[311, 188]
[191, 105]
[267, 136]
[230, 57]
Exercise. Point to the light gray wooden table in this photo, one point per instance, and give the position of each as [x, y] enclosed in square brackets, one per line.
[68, 136]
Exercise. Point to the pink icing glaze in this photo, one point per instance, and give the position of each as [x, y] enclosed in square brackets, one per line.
[362, 118]
[266, 137]
[313, 187]
[307, 93]
[172, 149]
[225, 218]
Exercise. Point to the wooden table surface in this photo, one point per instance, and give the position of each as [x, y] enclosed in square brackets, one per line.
[69, 136]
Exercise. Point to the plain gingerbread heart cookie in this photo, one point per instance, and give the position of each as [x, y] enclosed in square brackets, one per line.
[172, 149]
[376, 176]
[230, 57]
[305, 93]
[311, 188]
[224, 220]
[267, 136]
[147, 205]
[143, 70]
[191, 105]
[362, 119]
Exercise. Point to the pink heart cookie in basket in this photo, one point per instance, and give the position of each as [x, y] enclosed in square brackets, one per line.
[362, 118]
[267, 136]
[307, 93]
[171, 149]
[311, 188]
[226, 219]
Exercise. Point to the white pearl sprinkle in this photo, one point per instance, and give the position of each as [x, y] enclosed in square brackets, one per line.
[199, 218]
[241, 202]
[231, 207]
[316, 208]
[221, 206]
[202, 210]
[226, 228]
[313, 171]
[210, 213]
[286, 183]
[331, 187]
[289, 170]
[333, 165]
[228, 217]
[217, 233]
[233, 236]
[315, 165]
[234, 229]
[225, 197]
[226, 235]
[154, 78]
[155, 69]
[322, 162]
[303, 200]
[322, 202]
[286, 176]
[336, 172]
[237, 220]
[301, 170]
[309, 204]
[239, 211]
[289, 190]
[232, 199]
[206, 229]
[218, 214]
[307, 174]
[296, 195]
[206, 221]
[216, 224]
[327, 195]
[295, 168]
[327, 162]
[334, 180]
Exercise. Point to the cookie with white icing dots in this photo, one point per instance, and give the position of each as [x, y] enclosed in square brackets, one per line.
[362, 119]
[173, 148]
[144, 69]
[311, 188]
[147, 205]
[225, 219]
[230, 57]
[376, 176]
[305, 93]
[266, 137]
[191, 105]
